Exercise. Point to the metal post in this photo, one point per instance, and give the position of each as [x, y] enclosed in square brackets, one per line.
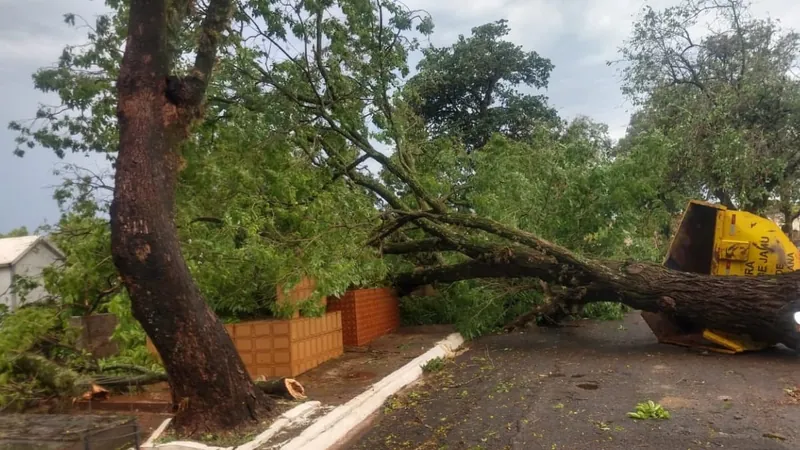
[86, 444]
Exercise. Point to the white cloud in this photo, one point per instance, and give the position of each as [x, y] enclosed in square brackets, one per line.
[32, 35]
[29, 52]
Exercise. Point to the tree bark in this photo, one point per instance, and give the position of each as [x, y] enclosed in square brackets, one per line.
[283, 387]
[210, 385]
[761, 307]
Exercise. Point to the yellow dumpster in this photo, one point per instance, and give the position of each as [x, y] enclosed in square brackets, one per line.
[715, 240]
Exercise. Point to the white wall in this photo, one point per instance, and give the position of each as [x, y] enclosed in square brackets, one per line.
[5, 286]
[31, 265]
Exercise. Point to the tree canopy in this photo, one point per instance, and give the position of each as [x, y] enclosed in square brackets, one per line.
[318, 153]
[470, 89]
[726, 100]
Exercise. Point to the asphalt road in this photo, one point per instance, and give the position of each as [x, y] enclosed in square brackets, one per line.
[570, 388]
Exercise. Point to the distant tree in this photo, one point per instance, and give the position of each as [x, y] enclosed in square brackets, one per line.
[16, 232]
[726, 102]
[470, 89]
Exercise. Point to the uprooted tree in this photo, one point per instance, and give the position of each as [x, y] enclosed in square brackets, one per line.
[332, 85]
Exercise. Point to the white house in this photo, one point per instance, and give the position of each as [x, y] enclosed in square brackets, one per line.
[24, 256]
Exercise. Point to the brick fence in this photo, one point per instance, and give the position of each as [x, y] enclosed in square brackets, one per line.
[366, 314]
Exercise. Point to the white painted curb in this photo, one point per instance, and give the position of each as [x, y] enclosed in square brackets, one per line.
[329, 429]
[295, 414]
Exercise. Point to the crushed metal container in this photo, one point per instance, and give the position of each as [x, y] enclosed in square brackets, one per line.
[715, 240]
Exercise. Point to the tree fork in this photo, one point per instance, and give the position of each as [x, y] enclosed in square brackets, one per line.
[210, 385]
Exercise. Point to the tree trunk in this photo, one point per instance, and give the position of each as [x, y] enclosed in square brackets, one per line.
[210, 385]
[761, 307]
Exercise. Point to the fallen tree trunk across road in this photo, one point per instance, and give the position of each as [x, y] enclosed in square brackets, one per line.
[762, 307]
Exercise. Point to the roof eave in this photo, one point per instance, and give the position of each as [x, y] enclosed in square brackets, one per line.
[39, 239]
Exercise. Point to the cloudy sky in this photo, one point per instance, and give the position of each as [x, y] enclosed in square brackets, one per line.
[577, 35]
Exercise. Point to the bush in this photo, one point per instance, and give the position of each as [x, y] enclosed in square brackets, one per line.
[480, 307]
[605, 311]
[475, 307]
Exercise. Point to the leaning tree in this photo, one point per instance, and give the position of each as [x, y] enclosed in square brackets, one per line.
[135, 93]
[157, 108]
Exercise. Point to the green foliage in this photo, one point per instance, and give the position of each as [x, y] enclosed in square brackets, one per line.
[129, 336]
[83, 79]
[21, 330]
[16, 232]
[33, 328]
[281, 218]
[475, 307]
[22, 286]
[274, 186]
[434, 365]
[468, 90]
[649, 410]
[567, 189]
[605, 311]
[725, 102]
[253, 211]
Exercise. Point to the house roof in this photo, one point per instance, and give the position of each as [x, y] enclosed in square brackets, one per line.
[14, 248]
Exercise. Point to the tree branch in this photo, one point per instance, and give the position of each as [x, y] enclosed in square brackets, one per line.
[456, 272]
[498, 229]
[417, 246]
[189, 91]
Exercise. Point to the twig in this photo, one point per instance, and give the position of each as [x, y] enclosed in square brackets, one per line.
[458, 385]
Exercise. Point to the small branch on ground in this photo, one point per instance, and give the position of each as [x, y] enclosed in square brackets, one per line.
[287, 388]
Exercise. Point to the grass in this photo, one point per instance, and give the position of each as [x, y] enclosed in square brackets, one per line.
[434, 365]
[649, 410]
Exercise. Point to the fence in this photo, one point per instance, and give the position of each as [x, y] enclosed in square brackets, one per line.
[121, 437]
[36, 431]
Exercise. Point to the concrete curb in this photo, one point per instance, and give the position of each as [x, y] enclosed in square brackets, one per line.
[295, 414]
[331, 428]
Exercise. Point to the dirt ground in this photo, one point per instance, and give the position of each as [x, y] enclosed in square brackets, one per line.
[342, 379]
[572, 387]
[332, 383]
[339, 380]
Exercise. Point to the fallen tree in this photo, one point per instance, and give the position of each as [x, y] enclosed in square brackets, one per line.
[66, 382]
[762, 307]
[420, 219]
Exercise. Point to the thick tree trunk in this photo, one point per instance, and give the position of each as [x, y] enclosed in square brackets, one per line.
[210, 386]
[761, 307]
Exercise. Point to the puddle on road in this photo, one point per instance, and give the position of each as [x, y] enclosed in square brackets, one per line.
[588, 386]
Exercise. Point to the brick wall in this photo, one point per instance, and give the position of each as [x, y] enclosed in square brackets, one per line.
[367, 314]
[286, 348]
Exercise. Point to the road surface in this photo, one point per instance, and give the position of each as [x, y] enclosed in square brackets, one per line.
[570, 388]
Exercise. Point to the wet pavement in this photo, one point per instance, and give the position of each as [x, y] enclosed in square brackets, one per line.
[572, 387]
